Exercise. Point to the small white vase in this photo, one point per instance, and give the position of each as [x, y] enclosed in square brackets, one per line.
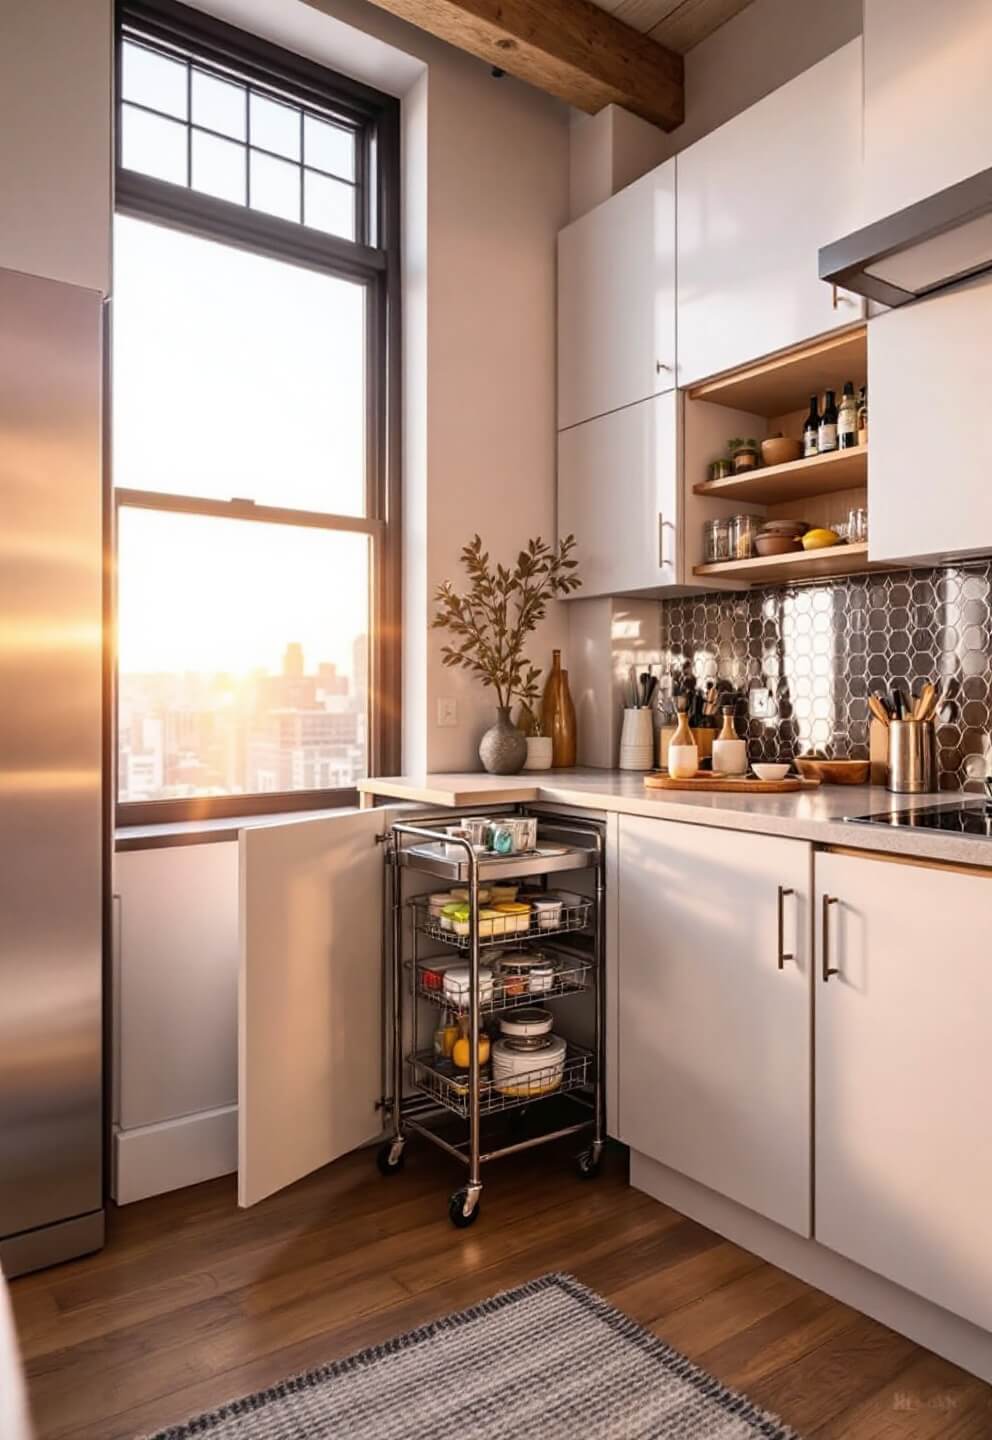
[637, 739]
[539, 752]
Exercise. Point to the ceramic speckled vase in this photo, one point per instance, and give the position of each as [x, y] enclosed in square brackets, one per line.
[503, 749]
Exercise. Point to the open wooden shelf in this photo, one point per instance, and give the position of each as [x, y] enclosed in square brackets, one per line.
[819, 475]
[801, 565]
[783, 383]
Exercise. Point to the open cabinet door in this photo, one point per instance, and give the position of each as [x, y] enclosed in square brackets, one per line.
[309, 996]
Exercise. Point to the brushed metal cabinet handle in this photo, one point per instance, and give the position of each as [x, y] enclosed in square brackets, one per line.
[661, 541]
[828, 969]
[783, 890]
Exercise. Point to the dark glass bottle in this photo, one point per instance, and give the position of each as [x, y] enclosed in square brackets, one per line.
[826, 436]
[847, 418]
[811, 429]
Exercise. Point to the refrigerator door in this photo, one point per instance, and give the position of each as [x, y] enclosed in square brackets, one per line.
[51, 828]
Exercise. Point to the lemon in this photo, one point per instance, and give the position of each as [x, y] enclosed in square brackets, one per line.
[820, 539]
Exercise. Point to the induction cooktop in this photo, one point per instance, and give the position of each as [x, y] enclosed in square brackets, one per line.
[971, 819]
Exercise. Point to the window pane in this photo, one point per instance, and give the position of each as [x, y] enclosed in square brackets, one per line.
[275, 186]
[219, 167]
[153, 80]
[328, 147]
[153, 145]
[275, 127]
[329, 205]
[242, 656]
[235, 374]
[219, 105]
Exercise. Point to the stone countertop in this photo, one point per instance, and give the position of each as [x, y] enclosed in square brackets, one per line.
[815, 815]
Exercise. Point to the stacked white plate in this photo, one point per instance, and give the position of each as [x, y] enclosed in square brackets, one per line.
[527, 1071]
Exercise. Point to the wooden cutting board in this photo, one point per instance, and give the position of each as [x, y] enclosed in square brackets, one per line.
[728, 784]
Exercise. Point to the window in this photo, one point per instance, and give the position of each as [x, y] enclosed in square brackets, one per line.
[254, 467]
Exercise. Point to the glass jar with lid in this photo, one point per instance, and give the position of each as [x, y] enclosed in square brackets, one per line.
[743, 529]
[716, 540]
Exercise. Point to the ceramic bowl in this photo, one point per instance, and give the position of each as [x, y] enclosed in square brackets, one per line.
[776, 544]
[780, 450]
[771, 772]
[784, 527]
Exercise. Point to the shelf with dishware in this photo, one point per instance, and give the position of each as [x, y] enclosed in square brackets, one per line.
[789, 501]
[563, 1070]
[516, 979]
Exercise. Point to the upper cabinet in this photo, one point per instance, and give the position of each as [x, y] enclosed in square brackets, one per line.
[757, 199]
[930, 369]
[928, 102]
[616, 301]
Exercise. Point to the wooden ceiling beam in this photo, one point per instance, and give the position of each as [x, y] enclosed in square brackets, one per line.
[569, 48]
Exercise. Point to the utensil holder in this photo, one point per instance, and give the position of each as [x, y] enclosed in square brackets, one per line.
[912, 763]
[637, 739]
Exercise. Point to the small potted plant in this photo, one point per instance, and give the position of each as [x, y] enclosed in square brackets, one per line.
[491, 623]
[540, 752]
[744, 454]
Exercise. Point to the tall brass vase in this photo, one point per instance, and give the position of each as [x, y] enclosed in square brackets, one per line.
[558, 715]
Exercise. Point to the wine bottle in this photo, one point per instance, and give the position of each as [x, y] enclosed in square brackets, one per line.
[811, 429]
[847, 418]
[826, 435]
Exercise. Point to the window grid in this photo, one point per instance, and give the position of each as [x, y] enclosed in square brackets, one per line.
[248, 144]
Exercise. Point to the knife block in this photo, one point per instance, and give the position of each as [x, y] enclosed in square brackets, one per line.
[702, 738]
[878, 751]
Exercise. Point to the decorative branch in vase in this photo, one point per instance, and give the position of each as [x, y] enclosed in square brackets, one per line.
[490, 624]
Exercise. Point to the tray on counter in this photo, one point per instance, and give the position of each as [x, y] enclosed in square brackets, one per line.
[451, 1090]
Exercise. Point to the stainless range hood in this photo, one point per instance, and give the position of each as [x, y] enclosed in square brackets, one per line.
[928, 245]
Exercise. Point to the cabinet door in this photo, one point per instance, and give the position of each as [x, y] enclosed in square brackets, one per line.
[903, 1077]
[618, 495]
[616, 301]
[757, 199]
[913, 48]
[714, 1035]
[930, 373]
[310, 996]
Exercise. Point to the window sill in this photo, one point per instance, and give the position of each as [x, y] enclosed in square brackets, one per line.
[209, 832]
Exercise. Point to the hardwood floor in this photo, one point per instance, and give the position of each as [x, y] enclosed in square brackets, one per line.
[194, 1302]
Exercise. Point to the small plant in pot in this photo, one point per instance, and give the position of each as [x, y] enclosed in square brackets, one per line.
[744, 454]
[490, 624]
[540, 748]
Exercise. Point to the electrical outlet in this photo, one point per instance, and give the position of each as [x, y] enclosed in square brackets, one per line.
[447, 711]
[759, 703]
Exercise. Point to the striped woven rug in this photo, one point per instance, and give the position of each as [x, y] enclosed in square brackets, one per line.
[550, 1359]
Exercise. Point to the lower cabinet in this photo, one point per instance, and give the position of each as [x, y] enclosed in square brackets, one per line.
[904, 1075]
[714, 1010]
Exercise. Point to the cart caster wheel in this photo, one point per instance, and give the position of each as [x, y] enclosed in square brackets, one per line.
[456, 1211]
[390, 1157]
[588, 1164]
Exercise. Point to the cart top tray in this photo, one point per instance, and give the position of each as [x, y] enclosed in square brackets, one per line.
[432, 860]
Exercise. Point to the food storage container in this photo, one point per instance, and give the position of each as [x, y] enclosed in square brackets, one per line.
[526, 1024]
[513, 970]
[547, 912]
[743, 529]
[478, 829]
[504, 894]
[523, 1070]
[461, 892]
[438, 901]
[457, 984]
[541, 978]
[452, 850]
[716, 540]
[516, 915]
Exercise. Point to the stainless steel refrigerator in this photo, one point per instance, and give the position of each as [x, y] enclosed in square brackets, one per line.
[52, 828]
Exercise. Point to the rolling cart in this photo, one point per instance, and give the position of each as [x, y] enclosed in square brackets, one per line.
[426, 1090]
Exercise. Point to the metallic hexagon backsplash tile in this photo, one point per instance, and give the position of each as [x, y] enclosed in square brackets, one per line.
[822, 649]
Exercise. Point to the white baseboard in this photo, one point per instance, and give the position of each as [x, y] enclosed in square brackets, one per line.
[925, 1323]
[157, 1158]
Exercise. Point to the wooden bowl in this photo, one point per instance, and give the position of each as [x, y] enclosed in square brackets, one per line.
[776, 544]
[780, 450]
[834, 772]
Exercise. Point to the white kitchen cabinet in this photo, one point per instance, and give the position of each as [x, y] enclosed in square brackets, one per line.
[928, 102]
[757, 198]
[930, 369]
[903, 1076]
[714, 1027]
[616, 301]
[618, 494]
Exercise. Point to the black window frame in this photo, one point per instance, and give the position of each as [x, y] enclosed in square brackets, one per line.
[373, 259]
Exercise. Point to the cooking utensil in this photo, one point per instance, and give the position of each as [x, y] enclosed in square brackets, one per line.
[879, 709]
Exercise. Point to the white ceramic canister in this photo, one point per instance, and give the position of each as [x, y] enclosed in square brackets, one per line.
[538, 752]
[637, 739]
[729, 752]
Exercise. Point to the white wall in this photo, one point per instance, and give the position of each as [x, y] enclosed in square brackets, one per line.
[55, 139]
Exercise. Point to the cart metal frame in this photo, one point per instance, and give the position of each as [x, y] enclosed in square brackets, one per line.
[414, 1111]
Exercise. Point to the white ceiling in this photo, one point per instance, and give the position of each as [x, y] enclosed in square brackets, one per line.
[679, 24]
